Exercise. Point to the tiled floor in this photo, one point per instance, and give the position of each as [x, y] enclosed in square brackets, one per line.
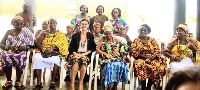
[66, 85]
[46, 82]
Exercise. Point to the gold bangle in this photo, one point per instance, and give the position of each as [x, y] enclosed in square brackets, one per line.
[102, 54]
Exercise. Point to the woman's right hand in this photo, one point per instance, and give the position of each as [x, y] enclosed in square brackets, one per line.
[47, 51]
[78, 55]
[11, 48]
[177, 59]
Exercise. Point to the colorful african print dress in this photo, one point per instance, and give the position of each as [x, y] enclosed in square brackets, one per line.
[115, 69]
[51, 40]
[186, 56]
[156, 68]
[118, 23]
[24, 38]
[76, 21]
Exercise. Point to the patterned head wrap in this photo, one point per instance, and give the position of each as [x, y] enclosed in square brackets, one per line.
[15, 19]
[70, 25]
[107, 26]
[45, 21]
[96, 23]
[26, 5]
[185, 27]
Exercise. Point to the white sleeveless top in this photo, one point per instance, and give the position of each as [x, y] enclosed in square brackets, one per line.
[82, 46]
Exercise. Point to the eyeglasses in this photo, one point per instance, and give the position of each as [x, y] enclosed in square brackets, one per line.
[18, 23]
[143, 30]
[97, 27]
[122, 28]
[115, 12]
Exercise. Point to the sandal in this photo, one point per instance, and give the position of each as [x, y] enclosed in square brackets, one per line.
[7, 85]
[52, 86]
[38, 86]
[19, 86]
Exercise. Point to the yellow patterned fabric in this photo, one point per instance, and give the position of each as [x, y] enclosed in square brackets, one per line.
[182, 51]
[198, 54]
[156, 69]
[56, 40]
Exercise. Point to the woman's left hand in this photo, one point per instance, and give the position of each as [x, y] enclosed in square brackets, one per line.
[82, 55]
[192, 44]
[150, 58]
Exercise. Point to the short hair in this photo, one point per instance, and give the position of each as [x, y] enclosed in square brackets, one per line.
[98, 7]
[118, 10]
[84, 20]
[83, 6]
[26, 5]
[52, 18]
[179, 78]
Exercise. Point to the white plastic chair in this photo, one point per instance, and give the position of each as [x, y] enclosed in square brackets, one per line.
[61, 68]
[26, 68]
[91, 71]
[132, 75]
[165, 78]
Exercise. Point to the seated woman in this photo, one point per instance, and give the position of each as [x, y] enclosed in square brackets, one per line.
[44, 27]
[181, 51]
[14, 45]
[122, 33]
[80, 49]
[51, 44]
[70, 32]
[147, 63]
[113, 58]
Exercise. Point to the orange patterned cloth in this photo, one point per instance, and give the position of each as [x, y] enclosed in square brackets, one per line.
[156, 69]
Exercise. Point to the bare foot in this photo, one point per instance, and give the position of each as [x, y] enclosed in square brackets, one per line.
[72, 87]
[80, 87]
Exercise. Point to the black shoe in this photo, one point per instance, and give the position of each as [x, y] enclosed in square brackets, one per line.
[57, 77]
[86, 78]
[76, 77]
[98, 82]
[67, 78]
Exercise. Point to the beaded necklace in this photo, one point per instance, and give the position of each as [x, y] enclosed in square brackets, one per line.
[182, 49]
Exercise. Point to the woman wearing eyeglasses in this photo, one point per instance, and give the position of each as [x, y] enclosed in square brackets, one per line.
[117, 21]
[122, 33]
[80, 49]
[147, 62]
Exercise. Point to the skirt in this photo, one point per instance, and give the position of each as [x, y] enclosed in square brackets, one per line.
[39, 62]
[81, 61]
[154, 70]
[184, 63]
[13, 59]
[115, 72]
